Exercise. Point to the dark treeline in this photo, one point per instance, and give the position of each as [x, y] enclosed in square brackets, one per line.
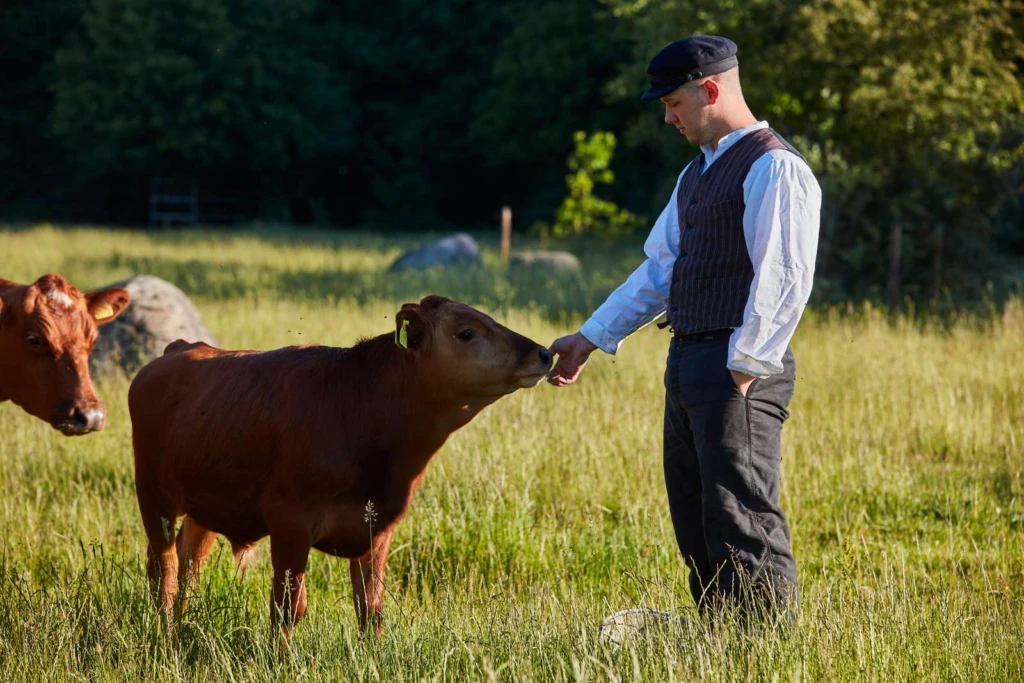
[410, 115]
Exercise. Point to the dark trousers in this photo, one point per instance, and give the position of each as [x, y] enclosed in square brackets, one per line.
[722, 465]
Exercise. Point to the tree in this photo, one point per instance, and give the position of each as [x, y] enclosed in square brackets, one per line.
[548, 81]
[172, 85]
[581, 212]
[418, 71]
[908, 110]
[925, 108]
[31, 162]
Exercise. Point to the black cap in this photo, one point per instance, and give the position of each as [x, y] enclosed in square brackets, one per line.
[694, 57]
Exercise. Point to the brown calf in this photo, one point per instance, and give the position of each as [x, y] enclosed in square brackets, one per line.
[47, 330]
[296, 443]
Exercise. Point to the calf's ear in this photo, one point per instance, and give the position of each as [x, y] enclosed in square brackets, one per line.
[410, 329]
[6, 314]
[106, 304]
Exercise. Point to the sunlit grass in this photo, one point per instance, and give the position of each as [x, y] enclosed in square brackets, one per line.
[902, 478]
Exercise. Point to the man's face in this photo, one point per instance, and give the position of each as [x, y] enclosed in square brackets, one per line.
[688, 109]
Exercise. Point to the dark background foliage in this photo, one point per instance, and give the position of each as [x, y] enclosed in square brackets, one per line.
[408, 115]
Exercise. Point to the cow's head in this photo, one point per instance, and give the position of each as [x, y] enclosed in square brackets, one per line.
[47, 330]
[460, 348]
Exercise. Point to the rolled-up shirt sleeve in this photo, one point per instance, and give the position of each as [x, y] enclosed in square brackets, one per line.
[780, 225]
[644, 295]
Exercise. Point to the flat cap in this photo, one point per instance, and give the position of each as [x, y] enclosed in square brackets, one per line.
[687, 59]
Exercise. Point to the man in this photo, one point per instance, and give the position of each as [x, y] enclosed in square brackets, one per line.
[732, 259]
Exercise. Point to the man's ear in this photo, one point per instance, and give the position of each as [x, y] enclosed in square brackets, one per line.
[712, 90]
[106, 304]
[410, 330]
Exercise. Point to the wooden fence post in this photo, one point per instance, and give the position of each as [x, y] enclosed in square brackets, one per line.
[506, 232]
[937, 248]
[895, 246]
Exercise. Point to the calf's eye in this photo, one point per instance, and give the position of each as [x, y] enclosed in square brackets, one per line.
[34, 342]
[465, 335]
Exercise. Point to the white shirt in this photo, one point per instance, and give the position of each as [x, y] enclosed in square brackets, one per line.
[780, 227]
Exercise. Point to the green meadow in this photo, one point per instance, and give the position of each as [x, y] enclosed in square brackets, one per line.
[903, 480]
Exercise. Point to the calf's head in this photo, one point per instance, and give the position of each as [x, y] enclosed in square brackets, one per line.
[47, 330]
[466, 352]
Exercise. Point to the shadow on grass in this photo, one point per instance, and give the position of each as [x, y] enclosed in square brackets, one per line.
[495, 286]
[285, 235]
[555, 296]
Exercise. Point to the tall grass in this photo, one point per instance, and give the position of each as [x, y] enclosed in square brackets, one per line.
[902, 479]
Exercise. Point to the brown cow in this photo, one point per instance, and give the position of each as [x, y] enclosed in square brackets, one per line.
[47, 330]
[303, 442]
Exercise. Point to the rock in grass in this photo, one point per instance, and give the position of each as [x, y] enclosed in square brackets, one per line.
[457, 249]
[158, 314]
[549, 261]
[618, 628]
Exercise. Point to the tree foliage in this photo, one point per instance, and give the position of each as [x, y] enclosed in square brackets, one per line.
[926, 115]
[185, 84]
[436, 114]
[30, 160]
[909, 111]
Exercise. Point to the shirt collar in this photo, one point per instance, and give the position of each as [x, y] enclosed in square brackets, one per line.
[728, 141]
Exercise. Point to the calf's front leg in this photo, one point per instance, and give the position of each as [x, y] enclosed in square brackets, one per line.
[368, 582]
[289, 553]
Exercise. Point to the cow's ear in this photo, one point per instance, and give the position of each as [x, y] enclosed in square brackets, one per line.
[410, 330]
[106, 304]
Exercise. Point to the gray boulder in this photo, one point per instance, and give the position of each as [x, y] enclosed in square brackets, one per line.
[158, 314]
[460, 249]
[550, 261]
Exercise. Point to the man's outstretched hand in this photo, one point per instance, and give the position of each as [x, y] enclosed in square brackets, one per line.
[573, 352]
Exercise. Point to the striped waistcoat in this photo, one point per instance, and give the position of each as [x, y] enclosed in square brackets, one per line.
[712, 275]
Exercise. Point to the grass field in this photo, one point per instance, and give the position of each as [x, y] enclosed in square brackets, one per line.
[903, 481]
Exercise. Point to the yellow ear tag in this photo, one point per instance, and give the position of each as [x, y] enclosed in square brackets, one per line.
[403, 338]
[103, 312]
